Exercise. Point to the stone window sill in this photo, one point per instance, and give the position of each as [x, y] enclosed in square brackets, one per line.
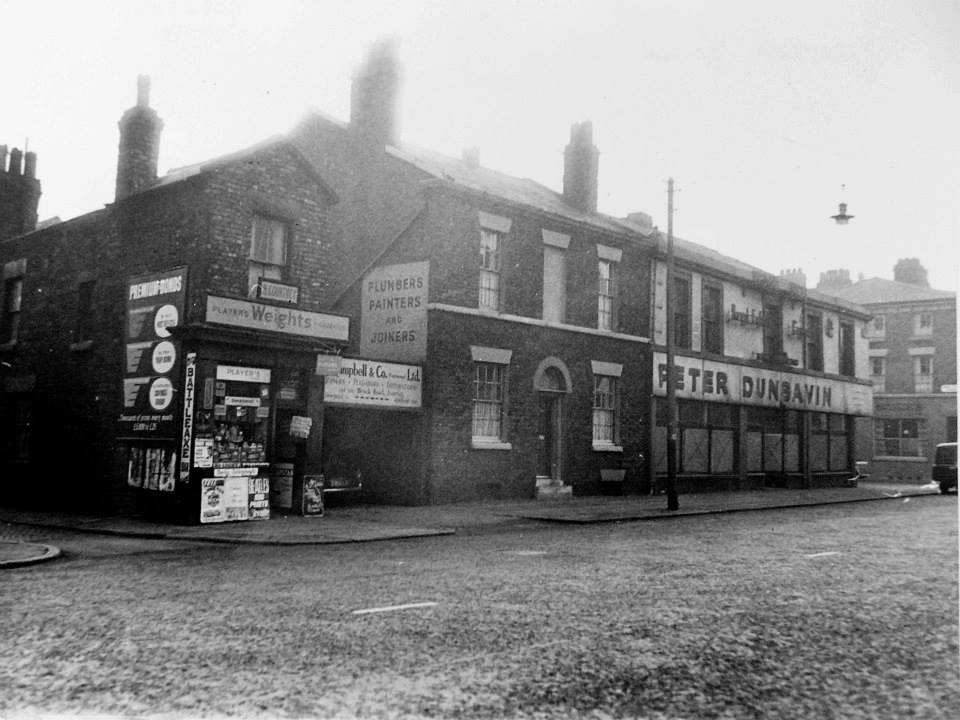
[81, 346]
[607, 447]
[485, 444]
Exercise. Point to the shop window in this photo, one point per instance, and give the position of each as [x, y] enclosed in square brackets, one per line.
[83, 328]
[488, 401]
[606, 410]
[681, 312]
[713, 318]
[268, 251]
[10, 317]
[814, 341]
[878, 368]
[923, 324]
[898, 438]
[847, 343]
[923, 373]
[491, 248]
[772, 331]
[606, 294]
[554, 284]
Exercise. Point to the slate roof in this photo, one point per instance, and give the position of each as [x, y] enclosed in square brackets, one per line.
[876, 291]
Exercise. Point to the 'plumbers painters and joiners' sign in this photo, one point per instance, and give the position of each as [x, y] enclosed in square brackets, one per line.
[253, 315]
[393, 314]
[713, 381]
[370, 383]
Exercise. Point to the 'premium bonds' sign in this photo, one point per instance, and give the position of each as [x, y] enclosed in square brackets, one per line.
[377, 384]
[288, 321]
[725, 382]
[393, 315]
[155, 303]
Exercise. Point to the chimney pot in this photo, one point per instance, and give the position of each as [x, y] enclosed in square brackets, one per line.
[16, 155]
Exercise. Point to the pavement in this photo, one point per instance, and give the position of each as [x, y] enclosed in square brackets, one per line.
[365, 523]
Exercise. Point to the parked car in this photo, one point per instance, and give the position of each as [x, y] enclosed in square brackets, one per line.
[945, 466]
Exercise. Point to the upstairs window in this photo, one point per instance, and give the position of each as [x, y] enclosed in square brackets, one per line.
[491, 247]
[83, 328]
[877, 328]
[814, 341]
[606, 294]
[878, 371]
[681, 312]
[713, 318]
[847, 343]
[772, 331]
[10, 317]
[923, 324]
[268, 251]
[923, 373]
[555, 282]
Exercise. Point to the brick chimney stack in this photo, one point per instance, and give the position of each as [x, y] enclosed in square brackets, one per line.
[19, 192]
[834, 280]
[581, 160]
[910, 271]
[795, 275]
[140, 129]
[373, 97]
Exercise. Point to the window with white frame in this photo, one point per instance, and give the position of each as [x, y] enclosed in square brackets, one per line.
[491, 247]
[488, 401]
[605, 294]
[606, 404]
[268, 251]
[877, 327]
[923, 324]
[878, 367]
[898, 437]
[923, 373]
[608, 259]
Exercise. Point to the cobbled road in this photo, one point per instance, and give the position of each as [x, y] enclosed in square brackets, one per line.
[843, 611]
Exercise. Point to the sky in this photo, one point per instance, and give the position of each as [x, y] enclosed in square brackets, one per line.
[766, 114]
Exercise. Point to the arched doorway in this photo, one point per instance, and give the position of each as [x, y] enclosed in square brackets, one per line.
[552, 384]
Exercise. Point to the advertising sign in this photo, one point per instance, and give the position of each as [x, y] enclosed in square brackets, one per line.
[155, 303]
[312, 495]
[393, 314]
[253, 315]
[281, 485]
[726, 382]
[370, 383]
[230, 496]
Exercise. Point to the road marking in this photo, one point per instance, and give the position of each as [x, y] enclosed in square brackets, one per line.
[391, 608]
[528, 553]
[822, 554]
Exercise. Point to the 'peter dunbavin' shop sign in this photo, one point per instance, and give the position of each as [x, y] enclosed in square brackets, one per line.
[375, 384]
[286, 320]
[713, 381]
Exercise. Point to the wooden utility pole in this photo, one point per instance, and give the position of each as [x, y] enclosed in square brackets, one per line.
[672, 501]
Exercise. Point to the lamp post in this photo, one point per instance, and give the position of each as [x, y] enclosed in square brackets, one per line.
[672, 501]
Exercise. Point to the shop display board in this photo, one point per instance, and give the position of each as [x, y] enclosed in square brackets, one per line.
[152, 365]
[233, 494]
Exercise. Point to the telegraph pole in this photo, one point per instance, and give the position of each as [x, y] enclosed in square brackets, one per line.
[672, 501]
